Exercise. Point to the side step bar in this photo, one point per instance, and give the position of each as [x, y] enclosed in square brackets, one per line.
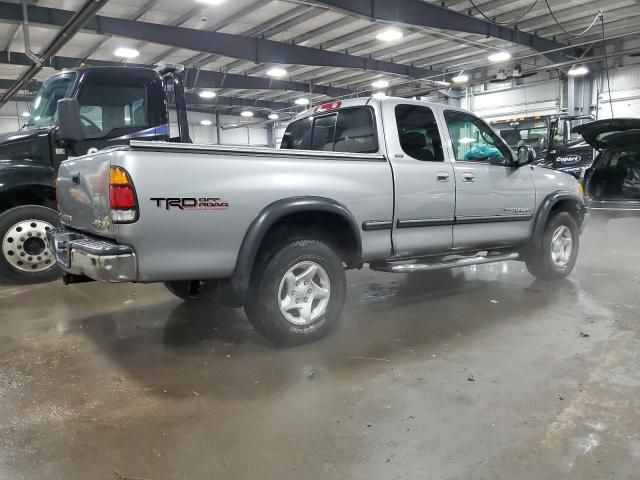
[404, 267]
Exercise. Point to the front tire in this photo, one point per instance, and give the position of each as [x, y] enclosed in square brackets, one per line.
[26, 256]
[558, 252]
[297, 292]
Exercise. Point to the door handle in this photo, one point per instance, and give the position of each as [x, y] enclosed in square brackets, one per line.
[443, 177]
[468, 177]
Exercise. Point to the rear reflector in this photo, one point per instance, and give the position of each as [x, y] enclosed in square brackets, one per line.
[325, 107]
[122, 196]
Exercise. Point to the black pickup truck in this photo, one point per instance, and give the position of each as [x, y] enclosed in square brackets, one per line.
[117, 104]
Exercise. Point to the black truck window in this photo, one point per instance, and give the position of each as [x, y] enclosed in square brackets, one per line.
[348, 130]
[106, 107]
[45, 106]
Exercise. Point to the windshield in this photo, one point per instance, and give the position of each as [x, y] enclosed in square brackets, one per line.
[45, 111]
[532, 133]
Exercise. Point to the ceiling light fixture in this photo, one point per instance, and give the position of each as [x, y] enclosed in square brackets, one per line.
[276, 72]
[246, 113]
[443, 83]
[390, 35]
[499, 57]
[460, 78]
[380, 83]
[577, 71]
[215, 3]
[205, 123]
[126, 52]
[207, 94]
[274, 116]
[26, 114]
[302, 101]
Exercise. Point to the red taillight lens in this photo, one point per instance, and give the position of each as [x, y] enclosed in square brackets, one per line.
[122, 197]
[325, 107]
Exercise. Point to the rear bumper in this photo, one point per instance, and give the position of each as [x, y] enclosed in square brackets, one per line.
[102, 260]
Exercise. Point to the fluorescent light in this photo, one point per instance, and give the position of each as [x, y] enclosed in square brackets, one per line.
[578, 71]
[442, 82]
[207, 94]
[232, 125]
[274, 116]
[389, 35]
[205, 123]
[126, 52]
[246, 113]
[380, 84]
[467, 140]
[460, 78]
[379, 95]
[499, 57]
[211, 2]
[26, 114]
[276, 72]
[302, 101]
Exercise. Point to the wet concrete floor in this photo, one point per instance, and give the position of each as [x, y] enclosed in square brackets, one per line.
[479, 373]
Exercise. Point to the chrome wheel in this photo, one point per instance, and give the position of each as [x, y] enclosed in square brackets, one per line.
[561, 246]
[304, 293]
[26, 248]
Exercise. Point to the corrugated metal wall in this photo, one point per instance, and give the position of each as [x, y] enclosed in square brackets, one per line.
[625, 93]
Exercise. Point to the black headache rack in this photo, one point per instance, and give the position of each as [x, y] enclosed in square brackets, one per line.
[172, 75]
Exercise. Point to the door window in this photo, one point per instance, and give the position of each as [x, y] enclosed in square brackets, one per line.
[105, 107]
[418, 133]
[474, 141]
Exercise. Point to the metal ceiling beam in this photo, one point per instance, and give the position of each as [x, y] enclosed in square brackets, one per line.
[193, 78]
[422, 14]
[74, 22]
[257, 50]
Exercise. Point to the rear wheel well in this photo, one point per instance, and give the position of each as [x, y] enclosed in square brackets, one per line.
[28, 195]
[327, 227]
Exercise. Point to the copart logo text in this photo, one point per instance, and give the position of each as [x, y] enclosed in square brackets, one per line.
[190, 203]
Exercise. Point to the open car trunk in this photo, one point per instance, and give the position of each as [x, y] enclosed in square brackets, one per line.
[615, 175]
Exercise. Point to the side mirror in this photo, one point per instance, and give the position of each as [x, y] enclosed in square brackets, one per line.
[526, 155]
[70, 127]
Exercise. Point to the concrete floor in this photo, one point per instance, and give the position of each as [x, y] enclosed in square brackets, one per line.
[481, 373]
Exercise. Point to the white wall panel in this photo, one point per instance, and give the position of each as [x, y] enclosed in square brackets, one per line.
[540, 98]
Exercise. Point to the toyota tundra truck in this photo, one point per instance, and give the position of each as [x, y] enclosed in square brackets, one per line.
[400, 185]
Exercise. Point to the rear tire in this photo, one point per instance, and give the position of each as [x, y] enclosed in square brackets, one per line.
[182, 289]
[25, 254]
[558, 252]
[297, 292]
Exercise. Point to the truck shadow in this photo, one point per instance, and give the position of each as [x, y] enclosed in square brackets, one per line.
[204, 347]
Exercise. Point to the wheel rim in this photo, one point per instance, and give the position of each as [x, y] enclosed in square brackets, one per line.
[26, 248]
[561, 246]
[304, 292]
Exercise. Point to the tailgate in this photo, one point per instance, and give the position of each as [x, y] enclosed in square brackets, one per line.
[83, 194]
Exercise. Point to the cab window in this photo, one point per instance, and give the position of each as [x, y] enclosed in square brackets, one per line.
[105, 107]
[418, 133]
[348, 130]
[474, 141]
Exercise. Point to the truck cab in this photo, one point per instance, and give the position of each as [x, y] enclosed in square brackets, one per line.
[116, 104]
[552, 140]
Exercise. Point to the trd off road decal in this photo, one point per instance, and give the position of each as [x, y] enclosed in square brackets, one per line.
[190, 203]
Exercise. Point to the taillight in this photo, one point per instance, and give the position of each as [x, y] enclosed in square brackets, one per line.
[325, 107]
[122, 196]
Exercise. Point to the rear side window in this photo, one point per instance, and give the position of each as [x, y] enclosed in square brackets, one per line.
[418, 133]
[349, 130]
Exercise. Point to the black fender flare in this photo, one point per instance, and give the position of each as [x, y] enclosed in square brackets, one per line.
[542, 215]
[233, 292]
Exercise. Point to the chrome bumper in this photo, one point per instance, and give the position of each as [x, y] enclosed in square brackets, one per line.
[102, 260]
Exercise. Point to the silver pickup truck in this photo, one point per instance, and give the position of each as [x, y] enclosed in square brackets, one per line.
[400, 185]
